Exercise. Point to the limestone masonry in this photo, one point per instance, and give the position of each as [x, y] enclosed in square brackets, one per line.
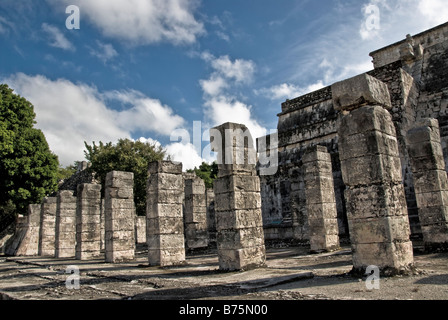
[364, 160]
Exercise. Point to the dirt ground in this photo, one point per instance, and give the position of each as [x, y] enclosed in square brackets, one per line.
[291, 273]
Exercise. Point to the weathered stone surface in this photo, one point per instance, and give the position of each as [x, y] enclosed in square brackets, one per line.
[376, 205]
[320, 200]
[164, 216]
[47, 227]
[430, 182]
[88, 221]
[119, 216]
[65, 233]
[237, 203]
[358, 91]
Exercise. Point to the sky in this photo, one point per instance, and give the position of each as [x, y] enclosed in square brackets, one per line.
[166, 71]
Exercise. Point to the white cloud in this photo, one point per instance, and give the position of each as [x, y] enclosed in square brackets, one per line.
[104, 51]
[288, 91]
[144, 113]
[185, 153]
[143, 22]
[70, 114]
[221, 104]
[435, 11]
[57, 38]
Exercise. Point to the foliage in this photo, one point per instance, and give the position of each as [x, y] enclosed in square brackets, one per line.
[128, 156]
[67, 172]
[207, 172]
[28, 168]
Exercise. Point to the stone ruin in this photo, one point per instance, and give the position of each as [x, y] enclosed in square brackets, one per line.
[364, 159]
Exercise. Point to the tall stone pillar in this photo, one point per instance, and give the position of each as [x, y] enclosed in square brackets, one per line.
[371, 170]
[164, 217]
[65, 224]
[211, 224]
[119, 215]
[239, 225]
[47, 227]
[320, 200]
[195, 214]
[88, 221]
[430, 183]
[31, 242]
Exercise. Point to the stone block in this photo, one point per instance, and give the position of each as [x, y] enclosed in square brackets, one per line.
[242, 259]
[316, 153]
[162, 225]
[395, 255]
[360, 91]
[166, 257]
[430, 181]
[432, 199]
[118, 256]
[375, 201]
[367, 143]
[165, 196]
[369, 118]
[371, 169]
[165, 181]
[119, 179]
[238, 200]
[237, 183]
[322, 210]
[163, 210]
[240, 238]
[379, 230]
[433, 215]
[165, 167]
[166, 241]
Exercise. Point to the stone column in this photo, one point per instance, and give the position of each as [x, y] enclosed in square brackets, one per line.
[240, 236]
[119, 215]
[371, 170]
[430, 183]
[211, 224]
[88, 221]
[195, 214]
[65, 224]
[164, 217]
[320, 200]
[140, 229]
[47, 227]
[31, 247]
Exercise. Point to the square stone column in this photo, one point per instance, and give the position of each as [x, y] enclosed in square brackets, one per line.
[88, 221]
[430, 183]
[47, 227]
[320, 200]
[30, 244]
[65, 225]
[239, 224]
[195, 213]
[119, 217]
[371, 170]
[164, 217]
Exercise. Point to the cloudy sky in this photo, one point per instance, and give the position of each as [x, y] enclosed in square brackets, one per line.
[166, 71]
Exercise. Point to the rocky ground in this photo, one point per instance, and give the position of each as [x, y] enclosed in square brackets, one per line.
[291, 273]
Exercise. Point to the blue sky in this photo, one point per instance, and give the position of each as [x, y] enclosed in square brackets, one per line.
[152, 69]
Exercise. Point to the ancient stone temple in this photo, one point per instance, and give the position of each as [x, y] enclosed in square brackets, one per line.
[239, 225]
[414, 72]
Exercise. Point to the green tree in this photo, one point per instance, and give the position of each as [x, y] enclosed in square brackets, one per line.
[207, 172]
[67, 172]
[28, 169]
[128, 156]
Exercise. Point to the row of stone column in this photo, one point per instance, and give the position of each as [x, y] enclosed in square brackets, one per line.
[71, 227]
